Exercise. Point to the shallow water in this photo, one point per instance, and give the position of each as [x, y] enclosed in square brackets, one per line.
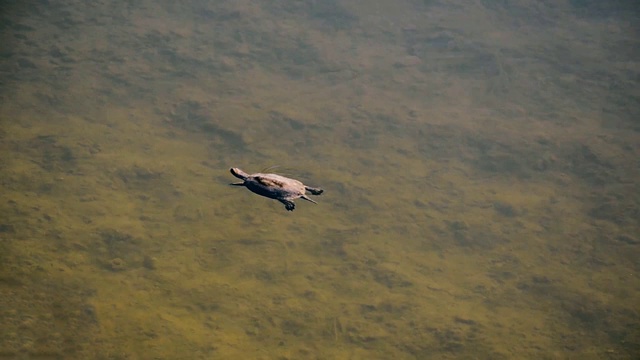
[479, 161]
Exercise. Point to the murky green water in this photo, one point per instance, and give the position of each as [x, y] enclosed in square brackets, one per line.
[479, 161]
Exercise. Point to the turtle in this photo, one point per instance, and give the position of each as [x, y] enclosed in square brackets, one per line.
[276, 187]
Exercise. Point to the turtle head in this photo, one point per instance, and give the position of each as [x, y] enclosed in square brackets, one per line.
[239, 173]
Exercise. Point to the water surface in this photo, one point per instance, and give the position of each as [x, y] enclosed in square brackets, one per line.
[479, 161]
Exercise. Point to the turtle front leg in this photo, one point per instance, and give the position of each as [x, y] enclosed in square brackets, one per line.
[314, 191]
[288, 204]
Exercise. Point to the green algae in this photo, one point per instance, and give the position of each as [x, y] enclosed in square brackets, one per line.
[478, 160]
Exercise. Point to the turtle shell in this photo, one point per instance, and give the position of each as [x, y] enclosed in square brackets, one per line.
[275, 186]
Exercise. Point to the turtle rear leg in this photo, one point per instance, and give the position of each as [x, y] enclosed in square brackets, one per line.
[314, 191]
[288, 204]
